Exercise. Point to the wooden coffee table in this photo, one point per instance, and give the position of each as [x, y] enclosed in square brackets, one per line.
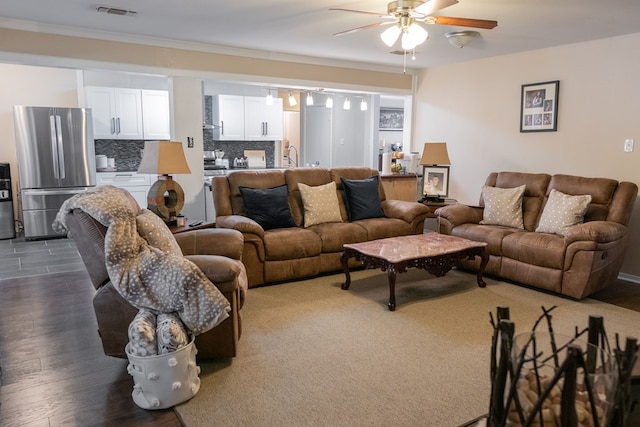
[433, 252]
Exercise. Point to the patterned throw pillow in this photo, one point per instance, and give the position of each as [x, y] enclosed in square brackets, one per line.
[171, 333]
[562, 211]
[503, 206]
[142, 334]
[320, 204]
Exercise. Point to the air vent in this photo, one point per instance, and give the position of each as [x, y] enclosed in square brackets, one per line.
[115, 11]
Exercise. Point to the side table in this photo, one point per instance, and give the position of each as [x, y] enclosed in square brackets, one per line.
[188, 226]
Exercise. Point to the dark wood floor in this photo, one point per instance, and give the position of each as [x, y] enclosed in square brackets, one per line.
[53, 369]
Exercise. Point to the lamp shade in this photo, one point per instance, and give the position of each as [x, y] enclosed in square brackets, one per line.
[163, 158]
[435, 153]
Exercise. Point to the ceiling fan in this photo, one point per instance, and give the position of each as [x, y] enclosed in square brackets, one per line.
[406, 16]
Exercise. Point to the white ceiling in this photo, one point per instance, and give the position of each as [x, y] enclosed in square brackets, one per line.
[306, 27]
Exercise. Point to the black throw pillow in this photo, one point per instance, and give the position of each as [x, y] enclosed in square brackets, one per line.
[363, 199]
[268, 207]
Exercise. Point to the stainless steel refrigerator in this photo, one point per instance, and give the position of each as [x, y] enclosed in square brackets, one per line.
[56, 159]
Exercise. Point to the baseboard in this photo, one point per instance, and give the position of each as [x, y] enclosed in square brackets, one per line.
[629, 278]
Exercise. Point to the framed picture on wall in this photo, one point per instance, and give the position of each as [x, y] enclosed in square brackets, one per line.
[435, 182]
[539, 107]
[391, 119]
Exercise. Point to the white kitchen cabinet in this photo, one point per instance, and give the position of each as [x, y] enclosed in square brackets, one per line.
[228, 115]
[135, 183]
[263, 122]
[156, 115]
[117, 112]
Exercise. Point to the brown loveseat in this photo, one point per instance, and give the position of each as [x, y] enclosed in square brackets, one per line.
[216, 252]
[585, 258]
[293, 252]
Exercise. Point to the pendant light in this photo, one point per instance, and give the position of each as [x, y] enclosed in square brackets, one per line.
[309, 99]
[269, 99]
[363, 105]
[347, 104]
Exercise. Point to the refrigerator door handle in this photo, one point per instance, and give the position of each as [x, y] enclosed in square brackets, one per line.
[60, 144]
[54, 147]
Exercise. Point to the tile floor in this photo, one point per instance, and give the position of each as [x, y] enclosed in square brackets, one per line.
[27, 258]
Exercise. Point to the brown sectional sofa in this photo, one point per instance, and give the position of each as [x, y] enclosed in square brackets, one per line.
[282, 254]
[577, 264]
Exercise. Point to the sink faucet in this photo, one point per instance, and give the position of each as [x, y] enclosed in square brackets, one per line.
[289, 159]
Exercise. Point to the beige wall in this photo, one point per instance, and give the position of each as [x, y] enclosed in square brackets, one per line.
[475, 108]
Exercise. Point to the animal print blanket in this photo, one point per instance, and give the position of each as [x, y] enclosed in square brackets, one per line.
[144, 262]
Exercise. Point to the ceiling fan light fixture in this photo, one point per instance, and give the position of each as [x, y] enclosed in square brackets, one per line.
[390, 35]
[292, 100]
[461, 38]
[413, 36]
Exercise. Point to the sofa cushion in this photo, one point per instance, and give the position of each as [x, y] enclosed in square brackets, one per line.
[541, 249]
[362, 198]
[562, 211]
[291, 243]
[268, 207]
[503, 206]
[320, 204]
[492, 235]
[334, 235]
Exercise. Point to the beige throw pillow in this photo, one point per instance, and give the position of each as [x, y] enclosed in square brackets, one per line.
[503, 206]
[320, 204]
[562, 211]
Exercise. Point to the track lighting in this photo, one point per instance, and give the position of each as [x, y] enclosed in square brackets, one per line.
[329, 103]
[292, 100]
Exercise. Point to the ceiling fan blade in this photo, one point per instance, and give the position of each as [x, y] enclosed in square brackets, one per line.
[461, 22]
[431, 6]
[381, 15]
[364, 27]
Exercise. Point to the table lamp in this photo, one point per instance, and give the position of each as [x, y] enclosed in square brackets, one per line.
[165, 197]
[435, 177]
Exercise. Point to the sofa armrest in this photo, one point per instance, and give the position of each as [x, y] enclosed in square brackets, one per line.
[211, 241]
[596, 231]
[404, 210]
[460, 214]
[241, 223]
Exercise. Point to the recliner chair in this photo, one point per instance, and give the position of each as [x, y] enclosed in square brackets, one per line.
[217, 252]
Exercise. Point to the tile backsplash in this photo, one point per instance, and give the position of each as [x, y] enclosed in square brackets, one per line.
[127, 154]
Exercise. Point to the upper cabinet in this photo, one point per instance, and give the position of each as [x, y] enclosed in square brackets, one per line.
[262, 121]
[247, 118]
[228, 115]
[156, 117]
[120, 113]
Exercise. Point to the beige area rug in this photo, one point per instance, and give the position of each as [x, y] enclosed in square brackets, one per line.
[312, 354]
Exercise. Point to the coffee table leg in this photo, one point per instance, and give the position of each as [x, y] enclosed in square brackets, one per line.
[391, 275]
[344, 259]
[485, 260]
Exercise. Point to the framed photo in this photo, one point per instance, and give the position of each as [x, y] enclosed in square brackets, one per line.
[539, 107]
[435, 181]
[391, 119]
